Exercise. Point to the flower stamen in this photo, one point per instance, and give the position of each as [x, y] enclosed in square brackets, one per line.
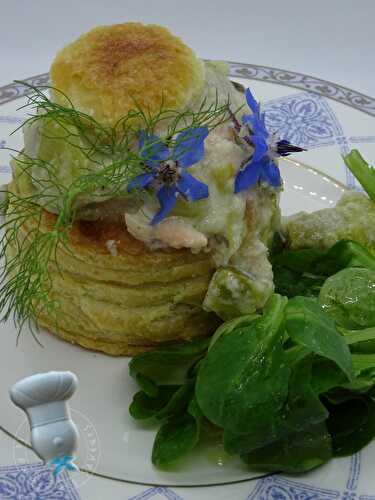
[168, 173]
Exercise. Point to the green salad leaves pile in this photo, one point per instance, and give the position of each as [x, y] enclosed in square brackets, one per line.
[287, 389]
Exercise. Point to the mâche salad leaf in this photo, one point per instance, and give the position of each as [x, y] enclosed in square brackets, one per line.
[294, 272]
[349, 298]
[145, 406]
[301, 452]
[343, 254]
[351, 424]
[175, 438]
[169, 364]
[243, 380]
[309, 326]
[362, 171]
[301, 410]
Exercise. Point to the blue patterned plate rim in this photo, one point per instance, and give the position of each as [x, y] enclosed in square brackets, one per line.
[325, 88]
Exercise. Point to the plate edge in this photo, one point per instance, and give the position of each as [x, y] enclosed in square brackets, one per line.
[344, 95]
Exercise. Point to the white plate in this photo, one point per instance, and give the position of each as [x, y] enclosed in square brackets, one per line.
[111, 443]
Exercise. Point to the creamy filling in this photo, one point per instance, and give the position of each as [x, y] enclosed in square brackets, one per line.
[171, 232]
[220, 215]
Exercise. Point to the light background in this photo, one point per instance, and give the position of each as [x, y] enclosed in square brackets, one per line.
[330, 39]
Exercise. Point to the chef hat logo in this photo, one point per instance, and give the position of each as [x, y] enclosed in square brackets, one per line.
[56, 429]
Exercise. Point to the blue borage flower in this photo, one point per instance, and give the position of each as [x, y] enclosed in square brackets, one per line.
[167, 168]
[261, 166]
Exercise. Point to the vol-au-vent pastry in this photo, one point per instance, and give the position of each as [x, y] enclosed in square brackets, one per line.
[146, 195]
